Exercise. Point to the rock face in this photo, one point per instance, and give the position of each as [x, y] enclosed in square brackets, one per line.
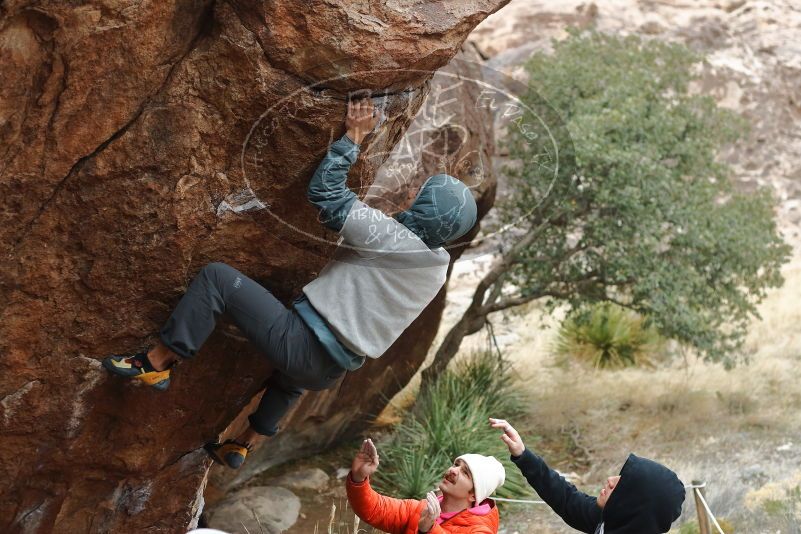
[138, 143]
[312, 479]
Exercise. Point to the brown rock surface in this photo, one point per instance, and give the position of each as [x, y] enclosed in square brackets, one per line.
[137, 143]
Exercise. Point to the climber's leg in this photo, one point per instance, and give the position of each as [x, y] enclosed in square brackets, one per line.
[161, 357]
[250, 437]
[300, 362]
[291, 347]
[216, 289]
[280, 394]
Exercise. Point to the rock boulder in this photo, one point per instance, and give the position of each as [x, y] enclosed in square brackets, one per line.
[138, 142]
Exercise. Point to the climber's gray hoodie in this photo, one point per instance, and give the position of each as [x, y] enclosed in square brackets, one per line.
[386, 270]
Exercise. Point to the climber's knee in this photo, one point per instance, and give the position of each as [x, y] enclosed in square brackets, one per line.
[214, 269]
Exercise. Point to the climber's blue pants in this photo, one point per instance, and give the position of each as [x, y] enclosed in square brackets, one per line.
[299, 360]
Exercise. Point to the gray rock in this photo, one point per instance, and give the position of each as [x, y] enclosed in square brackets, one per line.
[258, 510]
[306, 479]
[342, 472]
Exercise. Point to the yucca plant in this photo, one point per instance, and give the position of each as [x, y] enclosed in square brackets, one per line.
[450, 419]
[609, 336]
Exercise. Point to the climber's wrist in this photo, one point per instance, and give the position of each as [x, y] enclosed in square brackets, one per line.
[355, 135]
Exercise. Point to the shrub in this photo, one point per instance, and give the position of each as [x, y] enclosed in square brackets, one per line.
[787, 511]
[449, 419]
[608, 336]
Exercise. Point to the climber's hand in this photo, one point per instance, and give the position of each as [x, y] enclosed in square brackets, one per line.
[365, 463]
[361, 119]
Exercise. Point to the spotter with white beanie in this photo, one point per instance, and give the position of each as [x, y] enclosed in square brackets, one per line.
[464, 505]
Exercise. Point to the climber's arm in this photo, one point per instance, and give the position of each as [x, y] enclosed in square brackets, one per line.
[328, 188]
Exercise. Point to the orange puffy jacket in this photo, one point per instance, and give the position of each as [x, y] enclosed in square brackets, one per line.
[400, 516]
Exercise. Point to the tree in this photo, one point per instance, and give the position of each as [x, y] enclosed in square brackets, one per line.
[621, 199]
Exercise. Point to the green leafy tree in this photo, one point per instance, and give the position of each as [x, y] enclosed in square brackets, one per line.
[617, 196]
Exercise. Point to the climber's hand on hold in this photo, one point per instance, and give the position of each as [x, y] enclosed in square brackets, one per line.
[361, 119]
[365, 463]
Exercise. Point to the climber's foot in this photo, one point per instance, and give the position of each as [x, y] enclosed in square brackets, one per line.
[138, 367]
[230, 453]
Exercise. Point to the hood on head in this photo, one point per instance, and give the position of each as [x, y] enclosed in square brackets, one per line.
[443, 211]
[647, 499]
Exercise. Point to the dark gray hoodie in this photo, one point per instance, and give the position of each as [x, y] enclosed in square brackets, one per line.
[646, 500]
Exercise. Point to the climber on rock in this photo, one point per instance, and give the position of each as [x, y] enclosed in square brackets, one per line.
[463, 507]
[385, 271]
[645, 498]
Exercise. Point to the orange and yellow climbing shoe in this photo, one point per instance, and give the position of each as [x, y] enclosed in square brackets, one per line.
[230, 453]
[138, 367]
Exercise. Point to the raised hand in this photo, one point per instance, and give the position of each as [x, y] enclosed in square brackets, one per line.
[365, 463]
[361, 119]
[509, 436]
[430, 512]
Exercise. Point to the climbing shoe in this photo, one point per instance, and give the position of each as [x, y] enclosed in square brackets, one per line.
[138, 367]
[230, 453]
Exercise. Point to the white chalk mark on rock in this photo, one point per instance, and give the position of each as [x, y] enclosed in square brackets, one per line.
[78, 406]
[11, 402]
[198, 503]
[241, 201]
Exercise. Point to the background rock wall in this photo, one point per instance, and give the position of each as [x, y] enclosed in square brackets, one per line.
[137, 143]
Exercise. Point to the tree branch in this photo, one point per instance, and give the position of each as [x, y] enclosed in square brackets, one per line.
[495, 292]
[507, 259]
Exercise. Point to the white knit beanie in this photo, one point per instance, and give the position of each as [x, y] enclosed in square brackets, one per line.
[488, 474]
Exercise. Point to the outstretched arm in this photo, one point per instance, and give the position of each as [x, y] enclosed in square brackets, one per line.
[328, 189]
[384, 513]
[577, 509]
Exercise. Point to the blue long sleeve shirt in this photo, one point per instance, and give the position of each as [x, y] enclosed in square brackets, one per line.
[329, 192]
[328, 188]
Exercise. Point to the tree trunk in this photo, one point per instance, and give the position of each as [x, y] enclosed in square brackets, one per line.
[488, 298]
[471, 322]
